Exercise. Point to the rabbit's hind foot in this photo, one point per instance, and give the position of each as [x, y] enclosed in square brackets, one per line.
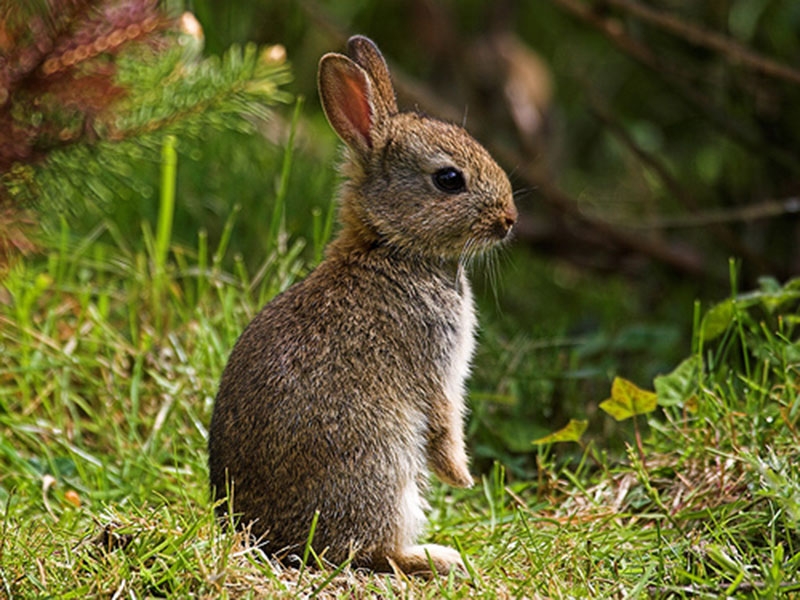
[428, 560]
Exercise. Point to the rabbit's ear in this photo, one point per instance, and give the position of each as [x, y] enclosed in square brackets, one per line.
[364, 51]
[347, 99]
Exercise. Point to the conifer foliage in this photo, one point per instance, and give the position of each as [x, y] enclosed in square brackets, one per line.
[86, 83]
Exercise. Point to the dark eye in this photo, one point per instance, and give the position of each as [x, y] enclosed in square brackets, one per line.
[450, 180]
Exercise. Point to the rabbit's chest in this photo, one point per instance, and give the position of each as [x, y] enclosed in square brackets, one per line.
[462, 345]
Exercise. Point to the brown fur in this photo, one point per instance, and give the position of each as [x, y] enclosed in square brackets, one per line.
[346, 388]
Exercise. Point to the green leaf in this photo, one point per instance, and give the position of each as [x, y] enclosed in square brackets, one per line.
[677, 387]
[717, 320]
[572, 432]
[771, 297]
[769, 285]
[628, 400]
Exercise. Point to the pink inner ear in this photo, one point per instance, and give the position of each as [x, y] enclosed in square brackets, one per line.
[355, 105]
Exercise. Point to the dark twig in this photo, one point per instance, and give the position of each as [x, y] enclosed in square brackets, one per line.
[714, 113]
[766, 209]
[683, 261]
[699, 36]
[678, 191]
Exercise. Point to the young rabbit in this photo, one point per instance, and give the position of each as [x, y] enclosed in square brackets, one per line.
[347, 387]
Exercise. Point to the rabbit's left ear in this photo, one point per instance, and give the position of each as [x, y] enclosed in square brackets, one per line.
[347, 97]
[364, 51]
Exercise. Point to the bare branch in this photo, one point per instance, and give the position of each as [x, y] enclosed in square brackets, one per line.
[678, 191]
[699, 36]
[766, 209]
[714, 113]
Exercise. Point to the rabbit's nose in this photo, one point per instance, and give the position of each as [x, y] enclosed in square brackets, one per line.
[506, 221]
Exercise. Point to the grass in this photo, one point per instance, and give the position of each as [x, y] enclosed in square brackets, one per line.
[109, 361]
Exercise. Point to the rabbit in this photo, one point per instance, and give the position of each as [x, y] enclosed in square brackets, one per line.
[348, 387]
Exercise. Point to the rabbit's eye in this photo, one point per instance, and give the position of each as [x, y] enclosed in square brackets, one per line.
[450, 180]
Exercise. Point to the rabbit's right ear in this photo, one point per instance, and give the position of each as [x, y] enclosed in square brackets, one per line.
[364, 51]
[347, 98]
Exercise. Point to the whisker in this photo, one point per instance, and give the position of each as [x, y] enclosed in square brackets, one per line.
[515, 177]
[484, 255]
[492, 275]
[463, 260]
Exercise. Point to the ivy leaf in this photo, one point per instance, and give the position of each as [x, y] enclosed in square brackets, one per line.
[572, 432]
[717, 320]
[771, 297]
[628, 400]
[677, 387]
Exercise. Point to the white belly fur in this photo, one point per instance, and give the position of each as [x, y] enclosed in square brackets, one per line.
[458, 371]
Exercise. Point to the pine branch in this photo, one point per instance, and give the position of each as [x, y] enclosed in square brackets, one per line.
[214, 92]
[86, 84]
[230, 92]
[57, 72]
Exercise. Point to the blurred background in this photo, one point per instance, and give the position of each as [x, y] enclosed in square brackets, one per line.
[653, 149]
[638, 135]
[648, 144]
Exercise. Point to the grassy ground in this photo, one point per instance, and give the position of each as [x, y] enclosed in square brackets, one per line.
[109, 360]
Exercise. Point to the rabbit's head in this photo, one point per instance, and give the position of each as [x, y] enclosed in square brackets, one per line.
[415, 183]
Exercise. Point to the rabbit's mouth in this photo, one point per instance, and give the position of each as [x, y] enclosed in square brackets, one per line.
[488, 232]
